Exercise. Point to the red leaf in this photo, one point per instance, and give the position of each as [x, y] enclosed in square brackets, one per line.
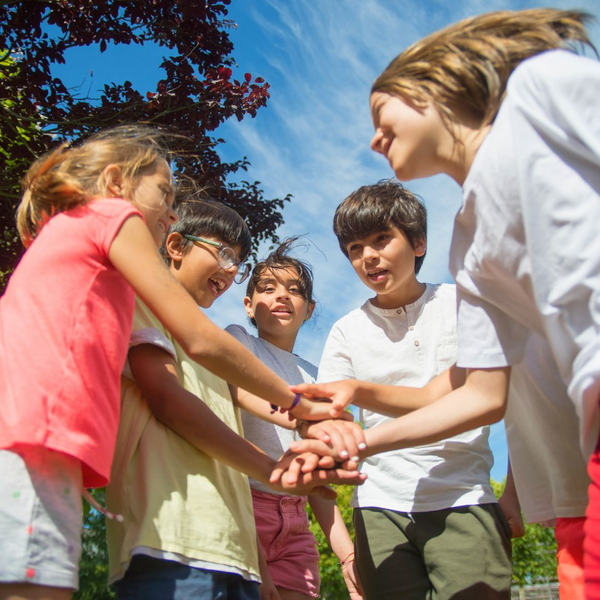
[248, 77]
[259, 80]
[150, 95]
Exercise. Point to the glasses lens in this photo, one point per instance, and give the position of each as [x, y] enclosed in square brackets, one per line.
[226, 257]
[242, 273]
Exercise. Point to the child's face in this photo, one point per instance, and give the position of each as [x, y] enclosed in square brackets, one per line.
[385, 263]
[277, 304]
[198, 269]
[415, 143]
[153, 196]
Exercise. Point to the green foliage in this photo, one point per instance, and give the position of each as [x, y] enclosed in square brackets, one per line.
[93, 566]
[332, 580]
[534, 555]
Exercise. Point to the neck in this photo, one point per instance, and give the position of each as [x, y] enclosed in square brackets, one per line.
[410, 293]
[469, 142]
[283, 342]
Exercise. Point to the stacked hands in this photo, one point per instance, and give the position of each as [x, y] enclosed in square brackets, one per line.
[332, 442]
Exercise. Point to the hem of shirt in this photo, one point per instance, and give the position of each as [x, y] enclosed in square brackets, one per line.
[421, 508]
[195, 563]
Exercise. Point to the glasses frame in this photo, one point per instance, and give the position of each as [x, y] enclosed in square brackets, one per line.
[224, 257]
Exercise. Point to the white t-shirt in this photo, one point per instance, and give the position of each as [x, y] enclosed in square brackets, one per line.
[548, 468]
[409, 346]
[526, 249]
[272, 439]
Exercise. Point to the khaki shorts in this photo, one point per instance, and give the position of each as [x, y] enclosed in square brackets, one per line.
[461, 553]
[40, 517]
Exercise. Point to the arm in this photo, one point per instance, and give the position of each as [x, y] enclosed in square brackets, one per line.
[509, 503]
[480, 401]
[156, 375]
[268, 590]
[134, 254]
[331, 522]
[389, 400]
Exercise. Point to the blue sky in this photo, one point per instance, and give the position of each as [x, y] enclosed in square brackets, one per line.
[312, 140]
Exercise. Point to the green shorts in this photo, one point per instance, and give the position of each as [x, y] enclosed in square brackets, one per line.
[461, 553]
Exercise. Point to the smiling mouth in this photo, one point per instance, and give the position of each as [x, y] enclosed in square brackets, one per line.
[218, 286]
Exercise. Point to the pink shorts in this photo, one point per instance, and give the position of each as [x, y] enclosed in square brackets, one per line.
[289, 546]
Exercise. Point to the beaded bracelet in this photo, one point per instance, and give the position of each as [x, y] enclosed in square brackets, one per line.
[275, 408]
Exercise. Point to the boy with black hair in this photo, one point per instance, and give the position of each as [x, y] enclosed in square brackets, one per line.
[427, 522]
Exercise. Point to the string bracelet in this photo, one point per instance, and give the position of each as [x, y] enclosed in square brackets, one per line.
[296, 401]
[347, 560]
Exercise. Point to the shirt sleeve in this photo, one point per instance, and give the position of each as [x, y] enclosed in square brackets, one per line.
[241, 335]
[146, 329]
[336, 362]
[487, 337]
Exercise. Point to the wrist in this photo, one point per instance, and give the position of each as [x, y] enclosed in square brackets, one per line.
[282, 409]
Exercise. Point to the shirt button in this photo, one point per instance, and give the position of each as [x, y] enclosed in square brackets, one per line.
[416, 342]
[399, 311]
[411, 327]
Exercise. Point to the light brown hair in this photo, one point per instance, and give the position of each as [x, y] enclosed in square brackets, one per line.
[463, 69]
[72, 175]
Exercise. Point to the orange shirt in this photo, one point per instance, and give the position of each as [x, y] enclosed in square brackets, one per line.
[65, 321]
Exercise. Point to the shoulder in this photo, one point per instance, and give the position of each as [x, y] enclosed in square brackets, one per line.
[238, 332]
[443, 292]
[109, 207]
[556, 70]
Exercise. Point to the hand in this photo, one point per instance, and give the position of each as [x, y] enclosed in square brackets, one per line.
[304, 475]
[351, 579]
[268, 590]
[511, 509]
[316, 447]
[339, 393]
[315, 409]
[345, 437]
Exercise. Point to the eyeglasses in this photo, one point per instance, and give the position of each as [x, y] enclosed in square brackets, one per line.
[225, 257]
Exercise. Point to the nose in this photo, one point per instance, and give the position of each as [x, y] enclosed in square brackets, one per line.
[376, 141]
[369, 253]
[172, 216]
[282, 292]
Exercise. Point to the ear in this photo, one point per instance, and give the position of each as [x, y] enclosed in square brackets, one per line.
[420, 247]
[174, 246]
[249, 308]
[112, 178]
[309, 310]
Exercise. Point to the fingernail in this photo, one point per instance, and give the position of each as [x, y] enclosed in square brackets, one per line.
[362, 446]
[355, 458]
[344, 453]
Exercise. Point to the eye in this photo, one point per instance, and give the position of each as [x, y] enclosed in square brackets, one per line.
[383, 236]
[353, 248]
[294, 289]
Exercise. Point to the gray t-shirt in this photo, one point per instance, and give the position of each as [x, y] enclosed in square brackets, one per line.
[272, 439]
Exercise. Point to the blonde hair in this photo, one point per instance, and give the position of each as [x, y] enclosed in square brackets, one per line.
[72, 175]
[463, 69]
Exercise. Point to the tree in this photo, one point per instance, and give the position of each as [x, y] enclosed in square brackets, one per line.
[197, 92]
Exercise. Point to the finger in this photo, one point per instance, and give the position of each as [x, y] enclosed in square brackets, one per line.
[276, 474]
[311, 462]
[327, 462]
[349, 465]
[309, 445]
[317, 432]
[294, 471]
[347, 432]
[338, 441]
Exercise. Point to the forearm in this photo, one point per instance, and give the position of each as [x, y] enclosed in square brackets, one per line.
[330, 520]
[189, 417]
[396, 400]
[260, 408]
[481, 401]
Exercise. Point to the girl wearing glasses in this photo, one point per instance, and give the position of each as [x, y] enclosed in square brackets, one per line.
[177, 477]
[279, 300]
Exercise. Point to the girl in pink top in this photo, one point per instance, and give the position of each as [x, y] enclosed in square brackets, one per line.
[92, 218]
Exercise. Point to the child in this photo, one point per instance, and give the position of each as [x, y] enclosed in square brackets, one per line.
[278, 302]
[188, 529]
[426, 519]
[497, 103]
[92, 217]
